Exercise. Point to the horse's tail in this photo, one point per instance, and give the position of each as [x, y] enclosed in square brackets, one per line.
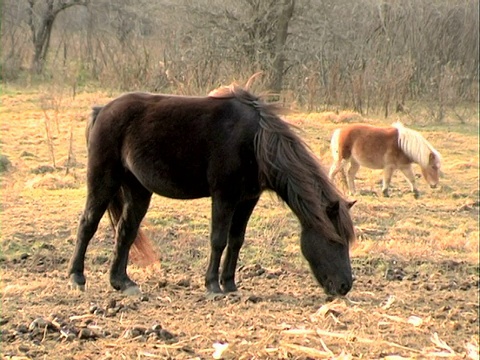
[91, 121]
[335, 145]
[142, 252]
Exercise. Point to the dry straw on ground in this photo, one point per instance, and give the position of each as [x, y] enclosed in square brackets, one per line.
[415, 262]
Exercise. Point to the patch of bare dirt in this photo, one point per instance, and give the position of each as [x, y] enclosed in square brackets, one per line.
[395, 309]
[398, 307]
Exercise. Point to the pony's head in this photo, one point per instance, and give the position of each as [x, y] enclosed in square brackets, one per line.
[327, 250]
[421, 151]
[431, 172]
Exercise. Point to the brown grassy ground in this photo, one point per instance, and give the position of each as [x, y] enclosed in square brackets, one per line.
[416, 293]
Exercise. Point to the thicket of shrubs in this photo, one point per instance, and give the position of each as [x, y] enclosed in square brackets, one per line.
[361, 55]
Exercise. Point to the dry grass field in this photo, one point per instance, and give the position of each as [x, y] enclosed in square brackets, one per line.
[416, 293]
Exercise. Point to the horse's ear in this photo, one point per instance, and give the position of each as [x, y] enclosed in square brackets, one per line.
[250, 81]
[351, 203]
[333, 208]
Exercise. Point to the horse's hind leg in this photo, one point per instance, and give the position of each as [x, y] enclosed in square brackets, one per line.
[136, 201]
[410, 177]
[351, 173]
[335, 168]
[338, 167]
[235, 241]
[222, 214]
[98, 198]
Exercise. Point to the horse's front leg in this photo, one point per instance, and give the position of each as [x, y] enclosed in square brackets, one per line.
[410, 177]
[387, 177]
[235, 241]
[222, 214]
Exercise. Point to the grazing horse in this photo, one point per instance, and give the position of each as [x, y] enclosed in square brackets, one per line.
[230, 146]
[391, 148]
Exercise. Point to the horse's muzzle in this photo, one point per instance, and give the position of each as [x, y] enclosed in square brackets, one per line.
[433, 186]
[341, 288]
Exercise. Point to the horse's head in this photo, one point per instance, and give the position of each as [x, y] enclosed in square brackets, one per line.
[327, 249]
[431, 172]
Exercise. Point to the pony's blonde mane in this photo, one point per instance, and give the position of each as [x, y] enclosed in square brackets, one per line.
[416, 146]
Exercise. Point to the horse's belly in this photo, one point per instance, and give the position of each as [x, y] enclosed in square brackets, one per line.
[175, 185]
[369, 160]
[176, 192]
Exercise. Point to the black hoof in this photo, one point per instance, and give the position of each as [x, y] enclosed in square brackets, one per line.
[214, 296]
[132, 291]
[229, 288]
[126, 286]
[214, 288]
[77, 281]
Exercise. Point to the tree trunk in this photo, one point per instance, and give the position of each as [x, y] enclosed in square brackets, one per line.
[40, 20]
[286, 14]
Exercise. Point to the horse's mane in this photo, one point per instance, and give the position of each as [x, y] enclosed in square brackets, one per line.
[221, 92]
[415, 145]
[289, 167]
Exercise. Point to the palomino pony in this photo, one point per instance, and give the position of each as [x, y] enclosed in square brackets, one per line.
[229, 146]
[395, 147]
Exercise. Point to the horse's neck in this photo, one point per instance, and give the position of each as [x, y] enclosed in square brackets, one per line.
[414, 145]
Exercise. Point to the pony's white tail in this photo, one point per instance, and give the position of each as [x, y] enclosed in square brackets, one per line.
[335, 144]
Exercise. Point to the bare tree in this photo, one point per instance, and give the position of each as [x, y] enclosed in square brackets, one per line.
[41, 16]
[266, 25]
[281, 33]
[14, 42]
[365, 55]
[255, 31]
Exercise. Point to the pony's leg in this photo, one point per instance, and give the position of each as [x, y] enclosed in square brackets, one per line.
[136, 203]
[222, 214]
[351, 173]
[235, 241]
[334, 169]
[387, 177]
[98, 198]
[410, 177]
[339, 166]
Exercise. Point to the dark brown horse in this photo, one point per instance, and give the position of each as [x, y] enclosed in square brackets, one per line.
[229, 146]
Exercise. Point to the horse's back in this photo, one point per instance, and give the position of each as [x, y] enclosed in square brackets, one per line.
[177, 146]
[369, 146]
